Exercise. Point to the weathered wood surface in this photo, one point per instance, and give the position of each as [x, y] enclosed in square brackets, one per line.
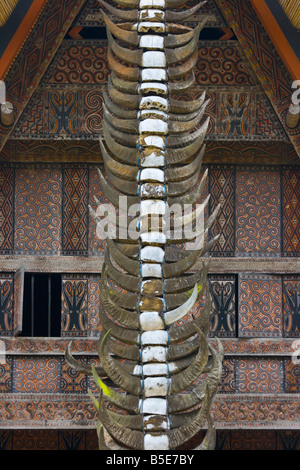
[76, 264]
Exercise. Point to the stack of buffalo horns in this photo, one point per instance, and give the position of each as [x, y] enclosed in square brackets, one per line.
[158, 374]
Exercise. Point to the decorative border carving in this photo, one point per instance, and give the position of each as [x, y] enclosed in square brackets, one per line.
[60, 411]
[88, 346]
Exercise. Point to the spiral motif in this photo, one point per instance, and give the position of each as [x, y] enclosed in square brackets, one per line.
[81, 64]
[38, 210]
[259, 376]
[258, 212]
[221, 66]
[36, 375]
[260, 306]
[93, 306]
[93, 115]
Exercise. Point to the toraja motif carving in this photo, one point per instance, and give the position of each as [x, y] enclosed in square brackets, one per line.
[6, 305]
[74, 307]
[253, 278]
[266, 63]
[60, 112]
[260, 305]
[39, 48]
[75, 411]
[38, 211]
[273, 233]
[84, 346]
[291, 306]
[152, 156]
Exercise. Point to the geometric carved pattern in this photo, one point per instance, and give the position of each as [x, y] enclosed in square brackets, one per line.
[75, 211]
[221, 64]
[274, 75]
[233, 115]
[229, 411]
[95, 244]
[258, 212]
[81, 62]
[222, 189]
[291, 376]
[94, 292]
[251, 152]
[71, 95]
[265, 118]
[18, 301]
[291, 212]
[259, 375]
[38, 210]
[223, 306]
[291, 306]
[63, 112]
[288, 440]
[32, 374]
[77, 440]
[6, 209]
[48, 439]
[228, 378]
[6, 305]
[60, 112]
[31, 122]
[85, 62]
[74, 307]
[274, 71]
[92, 105]
[260, 305]
[6, 375]
[44, 208]
[72, 381]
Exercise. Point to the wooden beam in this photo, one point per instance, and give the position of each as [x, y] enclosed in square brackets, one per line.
[86, 265]
[278, 38]
[20, 36]
[75, 411]
[246, 347]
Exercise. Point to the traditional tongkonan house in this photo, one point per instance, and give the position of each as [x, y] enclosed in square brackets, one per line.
[119, 331]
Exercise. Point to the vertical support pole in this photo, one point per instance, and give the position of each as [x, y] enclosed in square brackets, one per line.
[32, 304]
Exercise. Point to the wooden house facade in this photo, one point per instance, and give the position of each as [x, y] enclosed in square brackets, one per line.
[53, 61]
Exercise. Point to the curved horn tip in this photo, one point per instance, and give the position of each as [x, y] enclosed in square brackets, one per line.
[93, 399]
[220, 346]
[101, 437]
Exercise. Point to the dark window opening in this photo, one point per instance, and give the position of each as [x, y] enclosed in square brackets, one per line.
[90, 32]
[216, 34]
[42, 305]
